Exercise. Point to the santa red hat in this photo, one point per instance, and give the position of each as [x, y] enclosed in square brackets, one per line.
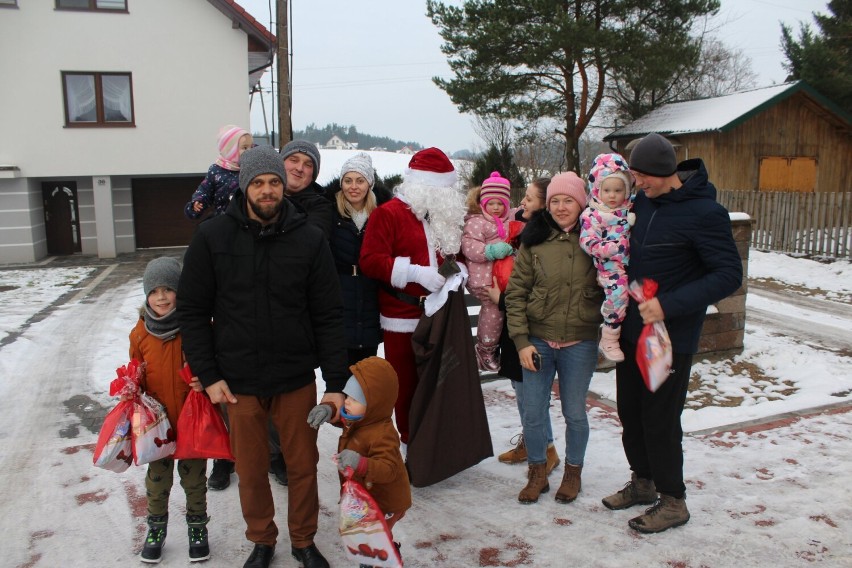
[431, 167]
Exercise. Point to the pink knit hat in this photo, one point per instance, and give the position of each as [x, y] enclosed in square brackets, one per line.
[229, 146]
[495, 187]
[570, 184]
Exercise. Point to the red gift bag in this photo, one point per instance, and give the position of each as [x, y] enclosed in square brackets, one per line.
[654, 350]
[114, 450]
[201, 431]
[365, 533]
[502, 268]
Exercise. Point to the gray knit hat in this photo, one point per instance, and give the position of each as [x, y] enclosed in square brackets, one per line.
[362, 164]
[163, 271]
[303, 147]
[260, 160]
[653, 156]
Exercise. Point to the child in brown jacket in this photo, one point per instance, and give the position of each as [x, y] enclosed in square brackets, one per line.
[370, 443]
[156, 341]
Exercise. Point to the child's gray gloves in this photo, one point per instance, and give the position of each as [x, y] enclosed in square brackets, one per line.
[497, 251]
[319, 414]
[351, 458]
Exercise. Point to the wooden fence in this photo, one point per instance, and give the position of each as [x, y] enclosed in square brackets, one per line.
[813, 224]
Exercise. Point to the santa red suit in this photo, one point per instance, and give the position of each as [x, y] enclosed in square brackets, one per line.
[403, 247]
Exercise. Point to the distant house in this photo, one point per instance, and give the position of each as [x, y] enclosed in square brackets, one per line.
[110, 125]
[406, 150]
[337, 143]
[784, 137]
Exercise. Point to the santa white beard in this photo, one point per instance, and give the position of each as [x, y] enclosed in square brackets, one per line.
[444, 207]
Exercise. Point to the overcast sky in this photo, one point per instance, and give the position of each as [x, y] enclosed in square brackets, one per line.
[371, 63]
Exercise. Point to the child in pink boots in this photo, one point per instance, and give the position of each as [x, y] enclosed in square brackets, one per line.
[605, 236]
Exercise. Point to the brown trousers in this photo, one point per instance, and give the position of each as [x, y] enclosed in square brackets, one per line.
[250, 445]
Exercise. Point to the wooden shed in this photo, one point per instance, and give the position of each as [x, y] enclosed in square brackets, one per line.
[782, 138]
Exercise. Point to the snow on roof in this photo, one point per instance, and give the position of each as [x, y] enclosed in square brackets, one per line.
[704, 115]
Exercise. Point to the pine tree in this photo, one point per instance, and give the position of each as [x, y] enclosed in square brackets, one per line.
[549, 58]
[823, 59]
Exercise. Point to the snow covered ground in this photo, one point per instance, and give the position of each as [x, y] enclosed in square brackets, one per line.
[767, 460]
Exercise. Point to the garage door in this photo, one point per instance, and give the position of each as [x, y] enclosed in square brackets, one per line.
[158, 211]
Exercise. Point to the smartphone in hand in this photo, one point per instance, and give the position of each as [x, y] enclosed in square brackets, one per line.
[536, 361]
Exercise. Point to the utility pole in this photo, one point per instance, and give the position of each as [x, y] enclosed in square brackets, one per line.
[285, 126]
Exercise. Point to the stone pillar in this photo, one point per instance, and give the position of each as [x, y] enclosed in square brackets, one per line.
[104, 216]
[724, 325]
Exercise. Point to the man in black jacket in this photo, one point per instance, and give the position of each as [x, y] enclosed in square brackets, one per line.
[266, 279]
[682, 239]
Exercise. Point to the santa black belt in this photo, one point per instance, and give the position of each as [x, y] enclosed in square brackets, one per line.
[403, 297]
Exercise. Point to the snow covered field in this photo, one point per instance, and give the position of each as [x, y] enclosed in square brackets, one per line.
[772, 490]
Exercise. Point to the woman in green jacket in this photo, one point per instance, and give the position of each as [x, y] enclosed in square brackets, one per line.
[553, 312]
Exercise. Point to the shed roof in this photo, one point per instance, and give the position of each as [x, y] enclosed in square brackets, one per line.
[717, 114]
[262, 43]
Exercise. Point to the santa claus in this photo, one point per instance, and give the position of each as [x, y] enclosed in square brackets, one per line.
[407, 240]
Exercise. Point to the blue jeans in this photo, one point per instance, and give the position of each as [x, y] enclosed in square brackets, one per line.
[575, 366]
[519, 397]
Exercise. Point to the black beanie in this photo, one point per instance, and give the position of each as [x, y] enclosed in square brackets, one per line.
[653, 156]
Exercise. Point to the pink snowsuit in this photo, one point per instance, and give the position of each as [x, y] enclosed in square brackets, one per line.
[605, 236]
[480, 230]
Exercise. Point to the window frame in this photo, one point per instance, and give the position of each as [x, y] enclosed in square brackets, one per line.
[8, 4]
[93, 7]
[100, 121]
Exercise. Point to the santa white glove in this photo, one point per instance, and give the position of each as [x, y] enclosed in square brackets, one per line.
[426, 276]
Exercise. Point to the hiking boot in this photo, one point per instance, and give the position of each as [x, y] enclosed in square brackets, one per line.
[571, 484]
[278, 468]
[152, 550]
[608, 346]
[668, 512]
[637, 491]
[261, 556]
[199, 549]
[536, 484]
[220, 476]
[518, 454]
[309, 557]
[552, 458]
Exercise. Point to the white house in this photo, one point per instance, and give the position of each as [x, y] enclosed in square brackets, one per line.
[110, 111]
[337, 143]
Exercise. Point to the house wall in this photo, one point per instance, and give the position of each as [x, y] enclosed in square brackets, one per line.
[189, 70]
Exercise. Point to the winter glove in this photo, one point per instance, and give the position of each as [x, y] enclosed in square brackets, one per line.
[319, 414]
[426, 276]
[351, 458]
[497, 251]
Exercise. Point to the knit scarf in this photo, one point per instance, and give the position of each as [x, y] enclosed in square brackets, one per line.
[164, 327]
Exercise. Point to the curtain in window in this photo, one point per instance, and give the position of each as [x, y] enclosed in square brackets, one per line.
[116, 89]
[80, 90]
[111, 4]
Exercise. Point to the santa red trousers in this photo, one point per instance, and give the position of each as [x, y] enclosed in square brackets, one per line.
[400, 354]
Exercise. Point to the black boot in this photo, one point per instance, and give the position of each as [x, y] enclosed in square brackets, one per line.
[220, 477]
[278, 468]
[199, 549]
[153, 549]
[309, 556]
[261, 556]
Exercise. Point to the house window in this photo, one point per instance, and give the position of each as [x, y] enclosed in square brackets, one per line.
[8, 3]
[99, 5]
[98, 99]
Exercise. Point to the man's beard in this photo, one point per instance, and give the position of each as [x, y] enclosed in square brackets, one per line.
[444, 209]
[266, 212]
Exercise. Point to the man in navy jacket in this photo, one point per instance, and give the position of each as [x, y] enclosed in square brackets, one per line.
[682, 239]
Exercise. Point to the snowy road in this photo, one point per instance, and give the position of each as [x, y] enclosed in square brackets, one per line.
[814, 321]
[776, 495]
